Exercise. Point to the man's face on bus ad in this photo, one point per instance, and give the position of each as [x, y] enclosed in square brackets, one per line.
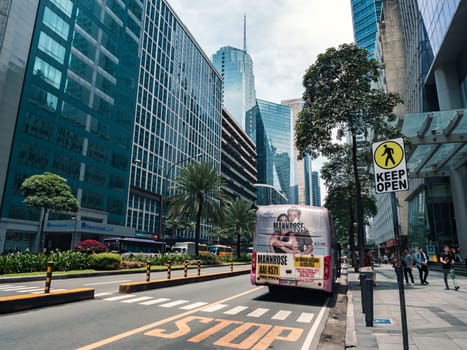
[294, 215]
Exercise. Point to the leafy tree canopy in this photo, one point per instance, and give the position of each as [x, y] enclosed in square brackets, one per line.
[49, 191]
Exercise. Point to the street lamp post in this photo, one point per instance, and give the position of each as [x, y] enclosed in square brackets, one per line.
[164, 190]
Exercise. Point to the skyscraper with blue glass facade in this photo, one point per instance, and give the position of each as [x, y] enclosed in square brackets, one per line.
[316, 189]
[273, 136]
[110, 95]
[365, 17]
[236, 68]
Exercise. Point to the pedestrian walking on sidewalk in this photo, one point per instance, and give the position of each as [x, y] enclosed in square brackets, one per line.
[447, 258]
[408, 262]
[421, 260]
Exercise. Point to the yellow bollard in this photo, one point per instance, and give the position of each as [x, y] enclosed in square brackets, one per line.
[48, 278]
[199, 267]
[231, 266]
[148, 271]
[185, 268]
[169, 269]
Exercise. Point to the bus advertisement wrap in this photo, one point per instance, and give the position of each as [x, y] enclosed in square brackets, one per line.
[292, 246]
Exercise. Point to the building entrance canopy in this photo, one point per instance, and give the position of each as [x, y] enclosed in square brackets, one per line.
[437, 142]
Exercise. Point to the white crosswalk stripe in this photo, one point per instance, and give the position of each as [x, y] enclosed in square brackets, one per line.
[258, 312]
[214, 308]
[193, 306]
[305, 317]
[155, 301]
[236, 310]
[29, 290]
[11, 289]
[174, 303]
[135, 300]
[281, 315]
[120, 297]
[3, 286]
[102, 294]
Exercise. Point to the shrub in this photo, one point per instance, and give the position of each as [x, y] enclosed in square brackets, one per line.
[132, 264]
[105, 261]
[90, 246]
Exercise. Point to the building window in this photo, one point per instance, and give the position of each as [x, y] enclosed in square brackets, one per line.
[46, 72]
[65, 5]
[57, 24]
[51, 47]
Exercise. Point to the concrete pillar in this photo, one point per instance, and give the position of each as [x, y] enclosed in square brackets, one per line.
[448, 88]
[2, 239]
[459, 195]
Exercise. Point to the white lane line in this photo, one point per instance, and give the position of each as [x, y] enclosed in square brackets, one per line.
[155, 301]
[214, 308]
[305, 317]
[281, 315]
[29, 290]
[120, 297]
[311, 334]
[3, 286]
[174, 303]
[102, 294]
[258, 312]
[135, 300]
[236, 310]
[14, 288]
[109, 282]
[193, 306]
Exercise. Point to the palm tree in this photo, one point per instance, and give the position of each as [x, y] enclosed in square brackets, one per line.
[198, 196]
[239, 218]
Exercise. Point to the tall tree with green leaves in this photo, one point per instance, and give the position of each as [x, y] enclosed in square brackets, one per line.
[239, 219]
[339, 95]
[197, 197]
[49, 192]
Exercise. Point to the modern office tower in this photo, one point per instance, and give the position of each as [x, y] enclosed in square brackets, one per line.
[365, 17]
[274, 149]
[432, 34]
[316, 192]
[178, 115]
[112, 90]
[302, 166]
[238, 161]
[236, 68]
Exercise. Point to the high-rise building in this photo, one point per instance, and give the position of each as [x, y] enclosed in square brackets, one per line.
[238, 163]
[365, 17]
[430, 35]
[302, 169]
[114, 96]
[316, 189]
[236, 68]
[273, 146]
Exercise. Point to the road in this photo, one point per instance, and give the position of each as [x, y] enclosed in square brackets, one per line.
[221, 314]
[103, 285]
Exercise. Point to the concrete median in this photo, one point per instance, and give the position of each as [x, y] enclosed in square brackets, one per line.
[23, 302]
[163, 283]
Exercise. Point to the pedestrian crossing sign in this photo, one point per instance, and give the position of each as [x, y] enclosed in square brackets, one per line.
[390, 166]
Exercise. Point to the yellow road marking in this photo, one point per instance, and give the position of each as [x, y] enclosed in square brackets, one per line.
[142, 329]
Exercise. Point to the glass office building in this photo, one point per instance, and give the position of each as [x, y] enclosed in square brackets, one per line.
[274, 146]
[365, 17]
[236, 68]
[316, 189]
[115, 94]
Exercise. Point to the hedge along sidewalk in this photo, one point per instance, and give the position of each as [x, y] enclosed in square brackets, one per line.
[61, 275]
[15, 303]
[132, 287]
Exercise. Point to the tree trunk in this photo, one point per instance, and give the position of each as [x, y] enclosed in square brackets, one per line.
[198, 222]
[359, 204]
[352, 237]
[238, 243]
[41, 231]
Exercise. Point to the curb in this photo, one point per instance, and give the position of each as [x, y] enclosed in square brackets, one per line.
[142, 286]
[350, 332]
[96, 274]
[23, 302]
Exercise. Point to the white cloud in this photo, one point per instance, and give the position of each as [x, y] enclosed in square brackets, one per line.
[284, 36]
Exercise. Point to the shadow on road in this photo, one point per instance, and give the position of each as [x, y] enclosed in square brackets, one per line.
[295, 296]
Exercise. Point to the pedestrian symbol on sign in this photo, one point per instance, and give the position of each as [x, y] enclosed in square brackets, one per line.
[388, 155]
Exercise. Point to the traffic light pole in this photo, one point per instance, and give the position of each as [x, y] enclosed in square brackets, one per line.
[399, 272]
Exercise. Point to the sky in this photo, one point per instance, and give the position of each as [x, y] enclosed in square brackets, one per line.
[283, 36]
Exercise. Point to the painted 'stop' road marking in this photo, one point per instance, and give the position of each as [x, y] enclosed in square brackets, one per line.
[149, 326]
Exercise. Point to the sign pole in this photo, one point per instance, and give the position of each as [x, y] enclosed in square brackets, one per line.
[398, 268]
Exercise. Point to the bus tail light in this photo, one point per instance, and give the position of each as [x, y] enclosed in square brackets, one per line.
[327, 267]
[253, 262]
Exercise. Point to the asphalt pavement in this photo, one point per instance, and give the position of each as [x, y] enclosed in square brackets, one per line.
[221, 314]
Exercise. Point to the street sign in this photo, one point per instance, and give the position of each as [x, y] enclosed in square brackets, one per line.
[390, 166]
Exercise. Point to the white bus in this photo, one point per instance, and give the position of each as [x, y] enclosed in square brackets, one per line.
[292, 247]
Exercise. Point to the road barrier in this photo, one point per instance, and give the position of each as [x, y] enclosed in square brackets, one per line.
[48, 278]
[199, 267]
[231, 266]
[169, 269]
[148, 271]
[185, 268]
[366, 287]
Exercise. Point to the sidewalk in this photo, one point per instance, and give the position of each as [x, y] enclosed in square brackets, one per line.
[436, 318]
